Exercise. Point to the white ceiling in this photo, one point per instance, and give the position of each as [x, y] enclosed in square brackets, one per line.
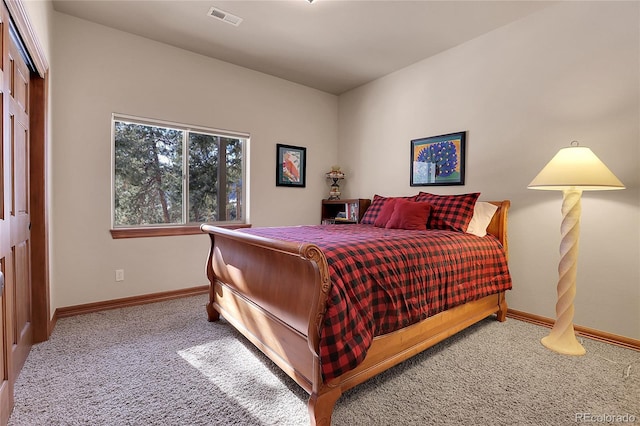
[330, 45]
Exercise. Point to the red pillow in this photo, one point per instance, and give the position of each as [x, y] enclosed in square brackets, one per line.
[370, 216]
[410, 215]
[452, 212]
[385, 213]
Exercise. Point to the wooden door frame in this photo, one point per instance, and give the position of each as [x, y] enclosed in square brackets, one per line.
[38, 166]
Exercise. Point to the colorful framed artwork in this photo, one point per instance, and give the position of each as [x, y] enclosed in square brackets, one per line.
[438, 160]
[291, 165]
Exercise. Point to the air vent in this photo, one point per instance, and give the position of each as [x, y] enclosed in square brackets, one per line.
[227, 17]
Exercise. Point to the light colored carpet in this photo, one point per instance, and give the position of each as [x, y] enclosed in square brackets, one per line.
[165, 364]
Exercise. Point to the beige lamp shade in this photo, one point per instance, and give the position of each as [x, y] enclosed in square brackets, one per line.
[575, 167]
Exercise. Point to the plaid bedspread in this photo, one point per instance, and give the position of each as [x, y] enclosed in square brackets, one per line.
[385, 279]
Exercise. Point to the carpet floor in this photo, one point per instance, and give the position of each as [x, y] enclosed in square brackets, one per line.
[165, 364]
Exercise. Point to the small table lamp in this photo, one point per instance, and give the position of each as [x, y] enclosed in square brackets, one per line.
[572, 170]
[335, 175]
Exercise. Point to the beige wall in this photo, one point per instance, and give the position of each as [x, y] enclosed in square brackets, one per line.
[99, 71]
[41, 19]
[522, 92]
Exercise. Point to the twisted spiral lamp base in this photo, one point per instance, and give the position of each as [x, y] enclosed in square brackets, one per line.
[562, 338]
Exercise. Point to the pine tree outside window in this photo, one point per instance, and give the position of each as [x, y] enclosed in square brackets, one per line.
[168, 174]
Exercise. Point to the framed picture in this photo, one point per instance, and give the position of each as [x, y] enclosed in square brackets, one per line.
[291, 165]
[438, 160]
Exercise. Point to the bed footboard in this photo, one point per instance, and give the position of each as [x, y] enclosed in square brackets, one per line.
[263, 288]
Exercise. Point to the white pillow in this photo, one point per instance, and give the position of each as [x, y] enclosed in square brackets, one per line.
[482, 214]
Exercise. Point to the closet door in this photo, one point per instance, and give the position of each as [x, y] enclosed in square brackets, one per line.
[17, 83]
[15, 223]
[6, 256]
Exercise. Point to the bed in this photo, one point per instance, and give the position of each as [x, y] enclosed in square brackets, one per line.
[281, 295]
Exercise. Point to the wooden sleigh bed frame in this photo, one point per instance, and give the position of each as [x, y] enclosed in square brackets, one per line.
[275, 294]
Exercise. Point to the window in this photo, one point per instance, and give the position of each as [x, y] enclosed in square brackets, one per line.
[167, 174]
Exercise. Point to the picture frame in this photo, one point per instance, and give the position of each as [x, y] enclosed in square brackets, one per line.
[438, 160]
[291, 165]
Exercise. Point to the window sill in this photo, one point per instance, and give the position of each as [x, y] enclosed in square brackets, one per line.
[166, 231]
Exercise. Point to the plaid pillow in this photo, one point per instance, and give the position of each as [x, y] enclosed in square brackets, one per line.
[370, 216]
[452, 212]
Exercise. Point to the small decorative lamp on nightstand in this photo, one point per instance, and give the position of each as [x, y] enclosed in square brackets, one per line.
[335, 175]
[572, 170]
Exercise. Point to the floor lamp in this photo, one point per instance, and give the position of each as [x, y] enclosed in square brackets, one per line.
[572, 170]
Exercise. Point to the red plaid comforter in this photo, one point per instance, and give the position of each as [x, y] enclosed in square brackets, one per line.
[386, 279]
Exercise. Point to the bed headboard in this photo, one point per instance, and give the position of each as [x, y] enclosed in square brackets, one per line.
[498, 224]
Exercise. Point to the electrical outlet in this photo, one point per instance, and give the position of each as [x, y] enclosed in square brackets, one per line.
[119, 274]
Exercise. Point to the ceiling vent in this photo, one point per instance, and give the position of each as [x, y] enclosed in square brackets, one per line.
[227, 17]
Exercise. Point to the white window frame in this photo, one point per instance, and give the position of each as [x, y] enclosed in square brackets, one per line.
[186, 228]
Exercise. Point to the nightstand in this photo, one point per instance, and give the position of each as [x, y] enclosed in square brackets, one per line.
[344, 211]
